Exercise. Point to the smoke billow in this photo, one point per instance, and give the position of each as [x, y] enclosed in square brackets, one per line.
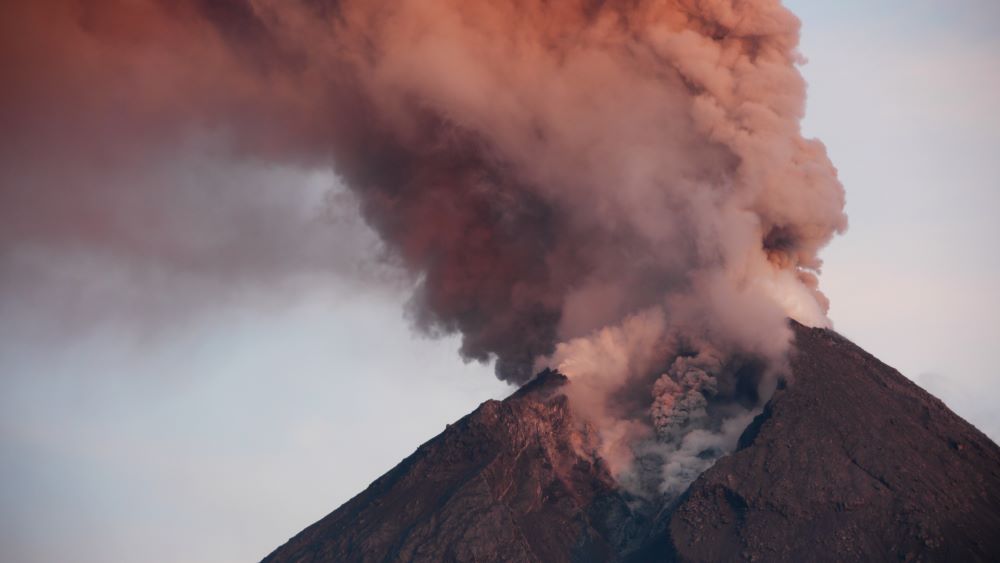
[618, 189]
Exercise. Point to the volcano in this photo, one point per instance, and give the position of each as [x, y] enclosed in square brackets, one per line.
[848, 461]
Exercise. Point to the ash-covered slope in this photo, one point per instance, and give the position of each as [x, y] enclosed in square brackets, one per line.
[849, 461]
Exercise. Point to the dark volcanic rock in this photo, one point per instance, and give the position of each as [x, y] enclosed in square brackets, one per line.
[849, 461]
[502, 484]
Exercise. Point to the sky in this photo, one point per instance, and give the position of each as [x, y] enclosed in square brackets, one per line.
[228, 425]
[903, 102]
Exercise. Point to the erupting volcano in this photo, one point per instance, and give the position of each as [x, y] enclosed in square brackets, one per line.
[849, 461]
[614, 194]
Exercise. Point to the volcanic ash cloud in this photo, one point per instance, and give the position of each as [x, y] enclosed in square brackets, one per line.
[617, 189]
[551, 171]
[620, 191]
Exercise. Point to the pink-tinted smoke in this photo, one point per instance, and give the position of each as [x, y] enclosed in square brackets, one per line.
[618, 188]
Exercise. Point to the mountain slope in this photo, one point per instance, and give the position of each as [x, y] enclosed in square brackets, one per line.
[502, 484]
[848, 461]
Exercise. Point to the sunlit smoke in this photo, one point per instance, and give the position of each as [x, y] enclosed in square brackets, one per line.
[617, 189]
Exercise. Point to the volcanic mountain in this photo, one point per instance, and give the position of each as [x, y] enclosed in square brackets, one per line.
[848, 461]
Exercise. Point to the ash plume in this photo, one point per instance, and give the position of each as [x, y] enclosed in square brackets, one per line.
[617, 189]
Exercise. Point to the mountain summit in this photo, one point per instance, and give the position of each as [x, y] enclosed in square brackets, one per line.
[848, 461]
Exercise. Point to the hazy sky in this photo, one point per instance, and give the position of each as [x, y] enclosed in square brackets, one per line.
[224, 427]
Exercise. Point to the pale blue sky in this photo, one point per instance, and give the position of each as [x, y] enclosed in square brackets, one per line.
[216, 437]
[904, 96]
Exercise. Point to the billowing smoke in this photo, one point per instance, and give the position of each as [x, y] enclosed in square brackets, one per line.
[550, 169]
[618, 189]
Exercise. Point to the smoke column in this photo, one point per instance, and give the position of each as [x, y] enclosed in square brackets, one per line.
[619, 189]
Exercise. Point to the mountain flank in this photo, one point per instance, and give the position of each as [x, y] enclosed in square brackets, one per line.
[849, 461]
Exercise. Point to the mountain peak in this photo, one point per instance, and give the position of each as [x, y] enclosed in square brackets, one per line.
[849, 460]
